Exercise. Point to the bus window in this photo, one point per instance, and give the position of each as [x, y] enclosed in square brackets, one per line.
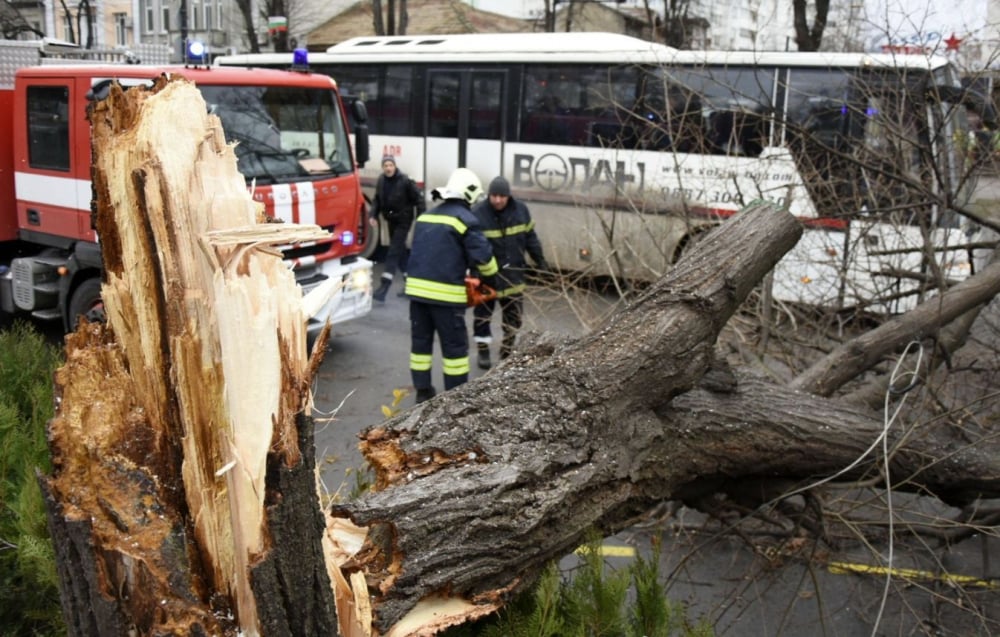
[552, 106]
[895, 149]
[611, 97]
[396, 103]
[486, 114]
[443, 97]
[579, 105]
[817, 118]
[668, 116]
[387, 92]
[736, 103]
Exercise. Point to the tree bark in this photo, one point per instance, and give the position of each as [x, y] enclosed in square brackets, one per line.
[479, 488]
[552, 442]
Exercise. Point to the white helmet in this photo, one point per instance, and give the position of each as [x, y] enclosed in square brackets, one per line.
[463, 184]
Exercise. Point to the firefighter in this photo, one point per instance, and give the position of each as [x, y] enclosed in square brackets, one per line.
[447, 242]
[507, 224]
[398, 200]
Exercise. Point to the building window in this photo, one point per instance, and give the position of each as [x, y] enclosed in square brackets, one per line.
[94, 36]
[209, 8]
[195, 21]
[121, 24]
[165, 24]
[148, 16]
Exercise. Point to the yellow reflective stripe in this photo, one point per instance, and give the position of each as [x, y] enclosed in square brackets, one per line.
[490, 268]
[842, 568]
[510, 230]
[514, 289]
[427, 289]
[447, 220]
[456, 366]
[420, 362]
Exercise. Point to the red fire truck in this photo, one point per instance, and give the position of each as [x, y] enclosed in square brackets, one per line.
[292, 146]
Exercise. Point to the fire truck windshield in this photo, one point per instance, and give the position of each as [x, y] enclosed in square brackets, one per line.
[282, 133]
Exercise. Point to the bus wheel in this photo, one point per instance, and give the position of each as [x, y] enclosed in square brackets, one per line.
[687, 242]
[86, 301]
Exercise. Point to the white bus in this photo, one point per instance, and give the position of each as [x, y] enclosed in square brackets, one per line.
[625, 150]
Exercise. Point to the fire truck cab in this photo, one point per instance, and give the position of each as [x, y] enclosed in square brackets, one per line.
[292, 146]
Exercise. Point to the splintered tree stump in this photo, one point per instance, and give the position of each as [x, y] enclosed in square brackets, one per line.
[183, 498]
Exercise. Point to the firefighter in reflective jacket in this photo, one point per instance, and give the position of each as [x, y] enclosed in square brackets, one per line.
[447, 242]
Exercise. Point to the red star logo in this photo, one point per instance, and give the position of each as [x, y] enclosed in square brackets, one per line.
[951, 44]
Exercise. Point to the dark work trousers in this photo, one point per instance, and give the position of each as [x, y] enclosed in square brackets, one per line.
[395, 259]
[511, 317]
[448, 322]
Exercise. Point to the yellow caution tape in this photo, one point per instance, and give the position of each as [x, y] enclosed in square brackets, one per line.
[610, 551]
[843, 568]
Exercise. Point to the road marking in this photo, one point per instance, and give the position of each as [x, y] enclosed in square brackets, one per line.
[843, 568]
[608, 550]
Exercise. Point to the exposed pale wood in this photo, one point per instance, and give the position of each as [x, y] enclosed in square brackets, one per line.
[180, 433]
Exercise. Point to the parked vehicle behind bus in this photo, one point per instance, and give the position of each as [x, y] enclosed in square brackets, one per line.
[627, 150]
[292, 147]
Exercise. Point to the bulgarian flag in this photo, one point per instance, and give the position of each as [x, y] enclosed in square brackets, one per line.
[277, 24]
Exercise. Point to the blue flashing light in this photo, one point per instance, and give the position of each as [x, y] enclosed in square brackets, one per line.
[196, 52]
[347, 238]
[300, 59]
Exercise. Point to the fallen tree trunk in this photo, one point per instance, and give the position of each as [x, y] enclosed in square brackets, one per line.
[481, 487]
[541, 449]
[183, 499]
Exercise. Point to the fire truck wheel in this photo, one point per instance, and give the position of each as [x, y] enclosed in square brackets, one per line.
[86, 301]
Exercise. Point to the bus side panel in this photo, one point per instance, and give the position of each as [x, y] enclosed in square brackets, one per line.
[484, 158]
[409, 154]
[440, 160]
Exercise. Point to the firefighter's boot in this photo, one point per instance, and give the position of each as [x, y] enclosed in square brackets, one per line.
[383, 289]
[507, 346]
[484, 361]
[424, 394]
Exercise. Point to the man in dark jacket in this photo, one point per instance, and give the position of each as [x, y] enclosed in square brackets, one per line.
[447, 242]
[398, 199]
[507, 223]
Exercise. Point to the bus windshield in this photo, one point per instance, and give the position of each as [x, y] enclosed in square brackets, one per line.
[281, 133]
